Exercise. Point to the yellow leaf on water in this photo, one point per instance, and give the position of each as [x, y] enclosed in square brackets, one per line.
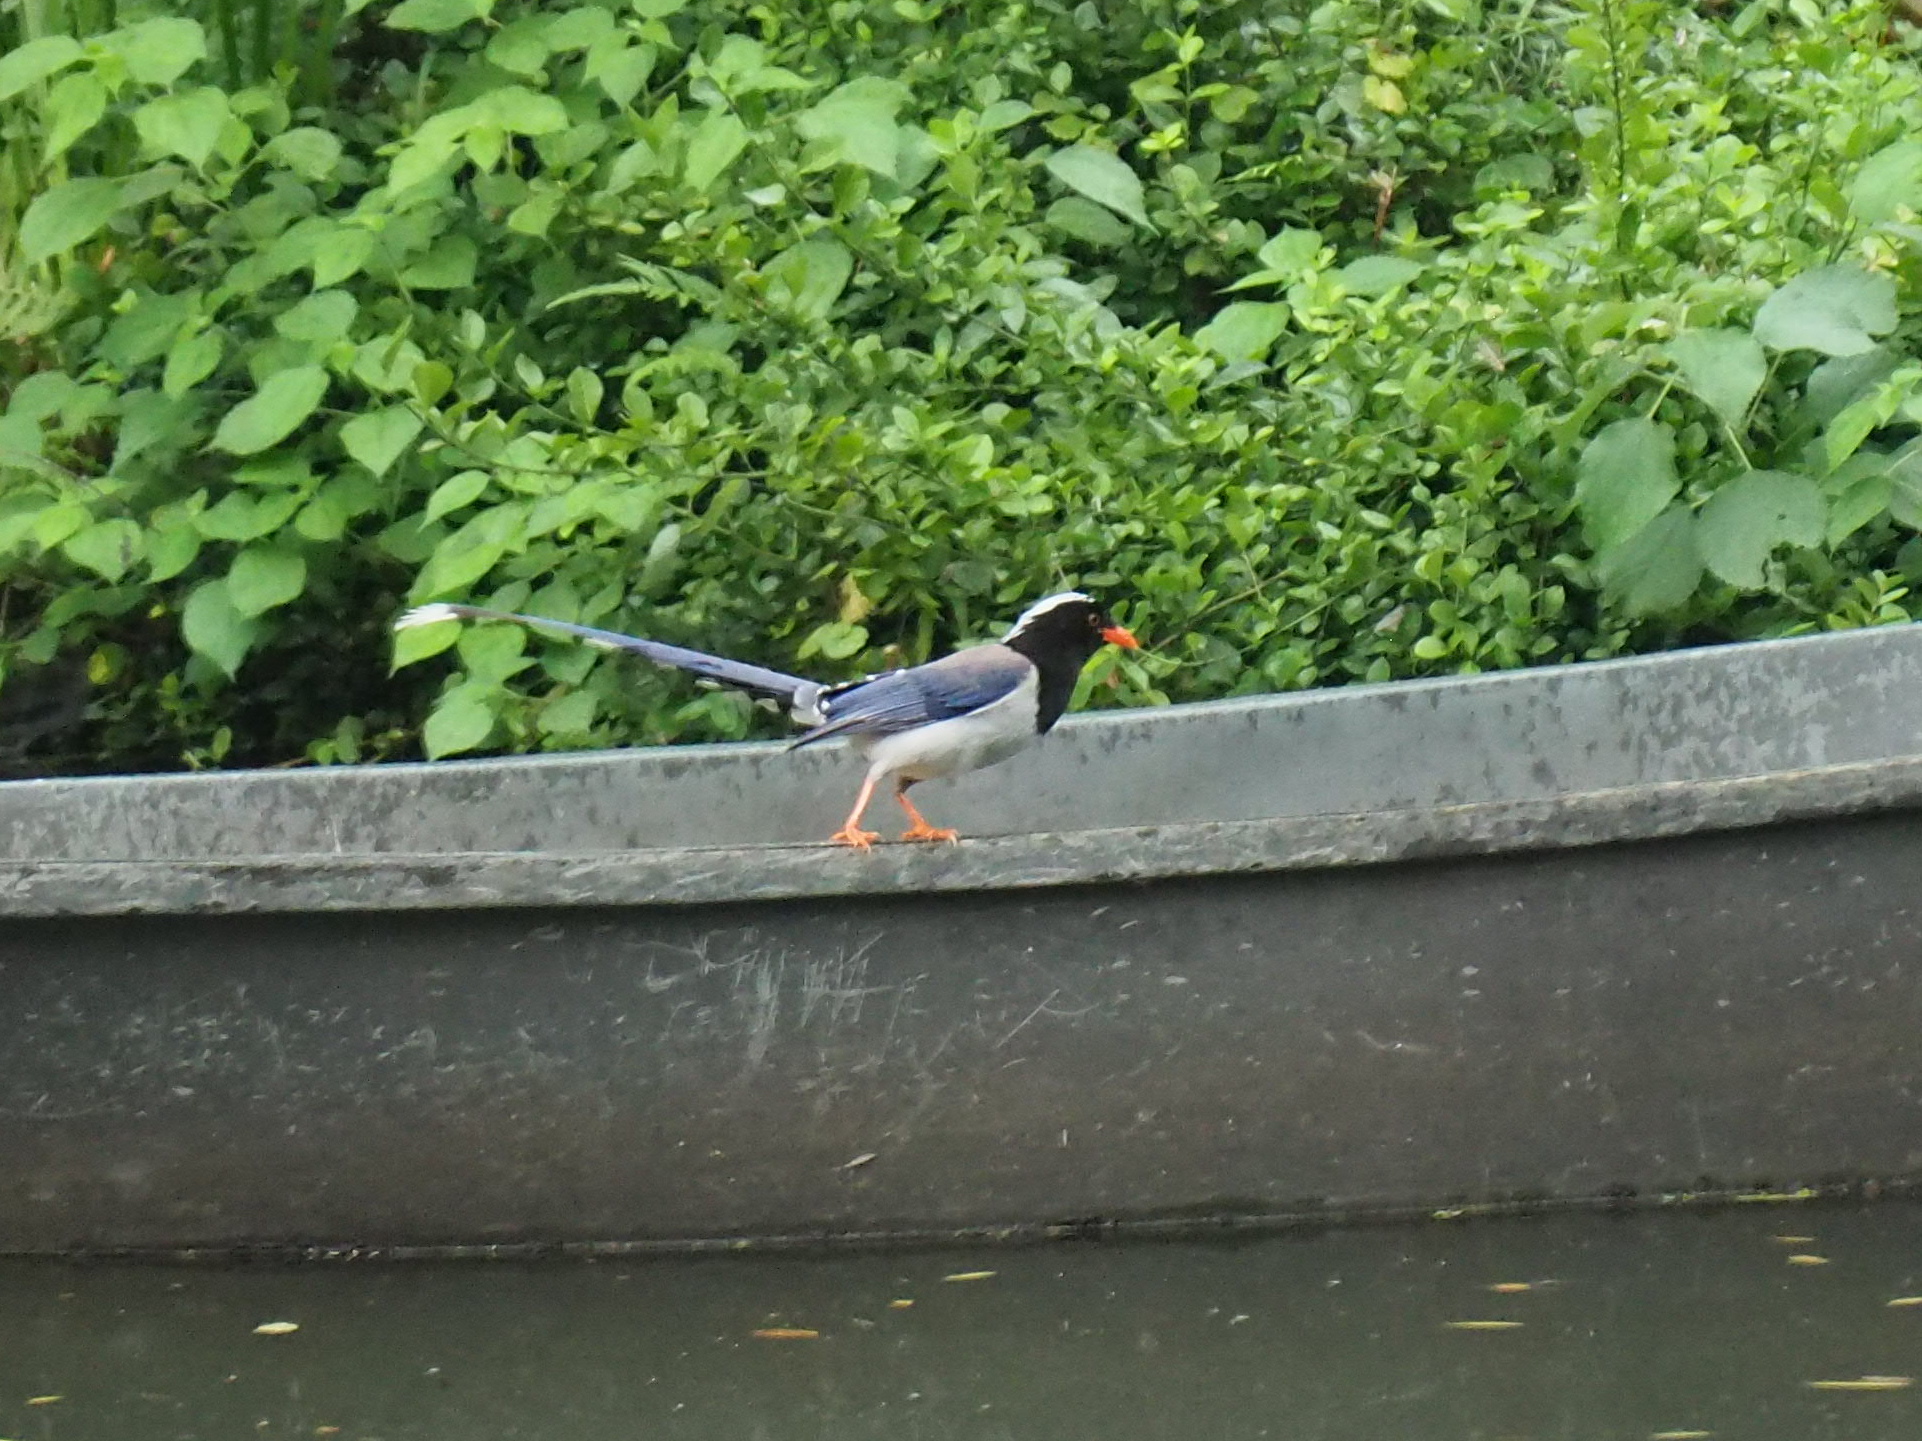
[276, 1328]
[900, 1303]
[968, 1276]
[1867, 1383]
[786, 1333]
[1803, 1259]
[1482, 1325]
[1906, 1301]
[1511, 1288]
[44, 1400]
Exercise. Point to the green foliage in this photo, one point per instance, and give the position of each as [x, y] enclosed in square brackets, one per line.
[1336, 341]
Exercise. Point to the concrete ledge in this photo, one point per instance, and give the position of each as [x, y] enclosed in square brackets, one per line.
[451, 880]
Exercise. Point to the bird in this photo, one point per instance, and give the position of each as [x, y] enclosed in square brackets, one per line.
[969, 709]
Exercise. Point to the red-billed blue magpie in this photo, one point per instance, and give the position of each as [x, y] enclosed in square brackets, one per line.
[955, 714]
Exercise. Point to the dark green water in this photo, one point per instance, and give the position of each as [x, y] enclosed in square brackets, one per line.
[1632, 1327]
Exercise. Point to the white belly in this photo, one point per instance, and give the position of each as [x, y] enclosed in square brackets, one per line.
[965, 743]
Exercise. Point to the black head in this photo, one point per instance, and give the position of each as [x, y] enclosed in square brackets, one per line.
[1059, 634]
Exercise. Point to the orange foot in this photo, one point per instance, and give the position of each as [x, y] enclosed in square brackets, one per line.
[853, 835]
[922, 831]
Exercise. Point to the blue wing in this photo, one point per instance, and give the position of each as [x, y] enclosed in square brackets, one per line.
[921, 695]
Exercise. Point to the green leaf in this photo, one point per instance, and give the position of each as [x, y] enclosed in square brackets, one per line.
[191, 360]
[470, 552]
[74, 106]
[1244, 330]
[308, 151]
[456, 493]
[462, 720]
[1103, 177]
[493, 652]
[108, 548]
[1377, 274]
[214, 628]
[1724, 369]
[377, 438]
[720, 138]
[621, 69]
[1004, 113]
[1657, 568]
[569, 715]
[1085, 220]
[348, 249]
[1837, 310]
[33, 62]
[855, 123]
[837, 640]
[1856, 504]
[808, 278]
[435, 16]
[171, 549]
[186, 125]
[264, 577]
[1749, 517]
[520, 111]
[1905, 486]
[1516, 172]
[323, 317]
[270, 415]
[1889, 180]
[1625, 478]
[1291, 253]
[158, 52]
[418, 642]
[1863, 416]
[64, 215]
[448, 266]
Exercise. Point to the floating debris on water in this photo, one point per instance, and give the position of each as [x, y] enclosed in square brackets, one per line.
[276, 1328]
[860, 1160]
[968, 1276]
[1794, 1240]
[1482, 1325]
[1867, 1383]
[1905, 1301]
[787, 1333]
[900, 1303]
[1679, 1435]
[45, 1400]
[1802, 1258]
[1511, 1288]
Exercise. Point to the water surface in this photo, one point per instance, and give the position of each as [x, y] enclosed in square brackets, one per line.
[1630, 1327]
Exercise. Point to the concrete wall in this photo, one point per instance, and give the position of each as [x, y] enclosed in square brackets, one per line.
[1651, 924]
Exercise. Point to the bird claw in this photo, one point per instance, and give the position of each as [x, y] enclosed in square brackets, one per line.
[926, 832]
[851, 835]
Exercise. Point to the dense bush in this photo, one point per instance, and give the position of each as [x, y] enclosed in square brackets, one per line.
[1355, 340]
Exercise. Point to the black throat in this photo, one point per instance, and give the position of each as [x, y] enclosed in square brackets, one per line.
[1057, 659]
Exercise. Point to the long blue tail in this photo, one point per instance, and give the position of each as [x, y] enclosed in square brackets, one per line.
[793, 690]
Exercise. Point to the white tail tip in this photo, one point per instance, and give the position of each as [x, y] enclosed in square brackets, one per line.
[427, 615]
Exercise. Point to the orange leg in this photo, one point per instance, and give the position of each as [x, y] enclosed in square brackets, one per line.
[921, 830]
[851, 833]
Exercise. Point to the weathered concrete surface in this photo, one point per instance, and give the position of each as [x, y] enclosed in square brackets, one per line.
[708, 823]
[1644, 925]
[1736, 1008]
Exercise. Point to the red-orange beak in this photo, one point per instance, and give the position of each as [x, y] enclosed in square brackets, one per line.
[1121, 636]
